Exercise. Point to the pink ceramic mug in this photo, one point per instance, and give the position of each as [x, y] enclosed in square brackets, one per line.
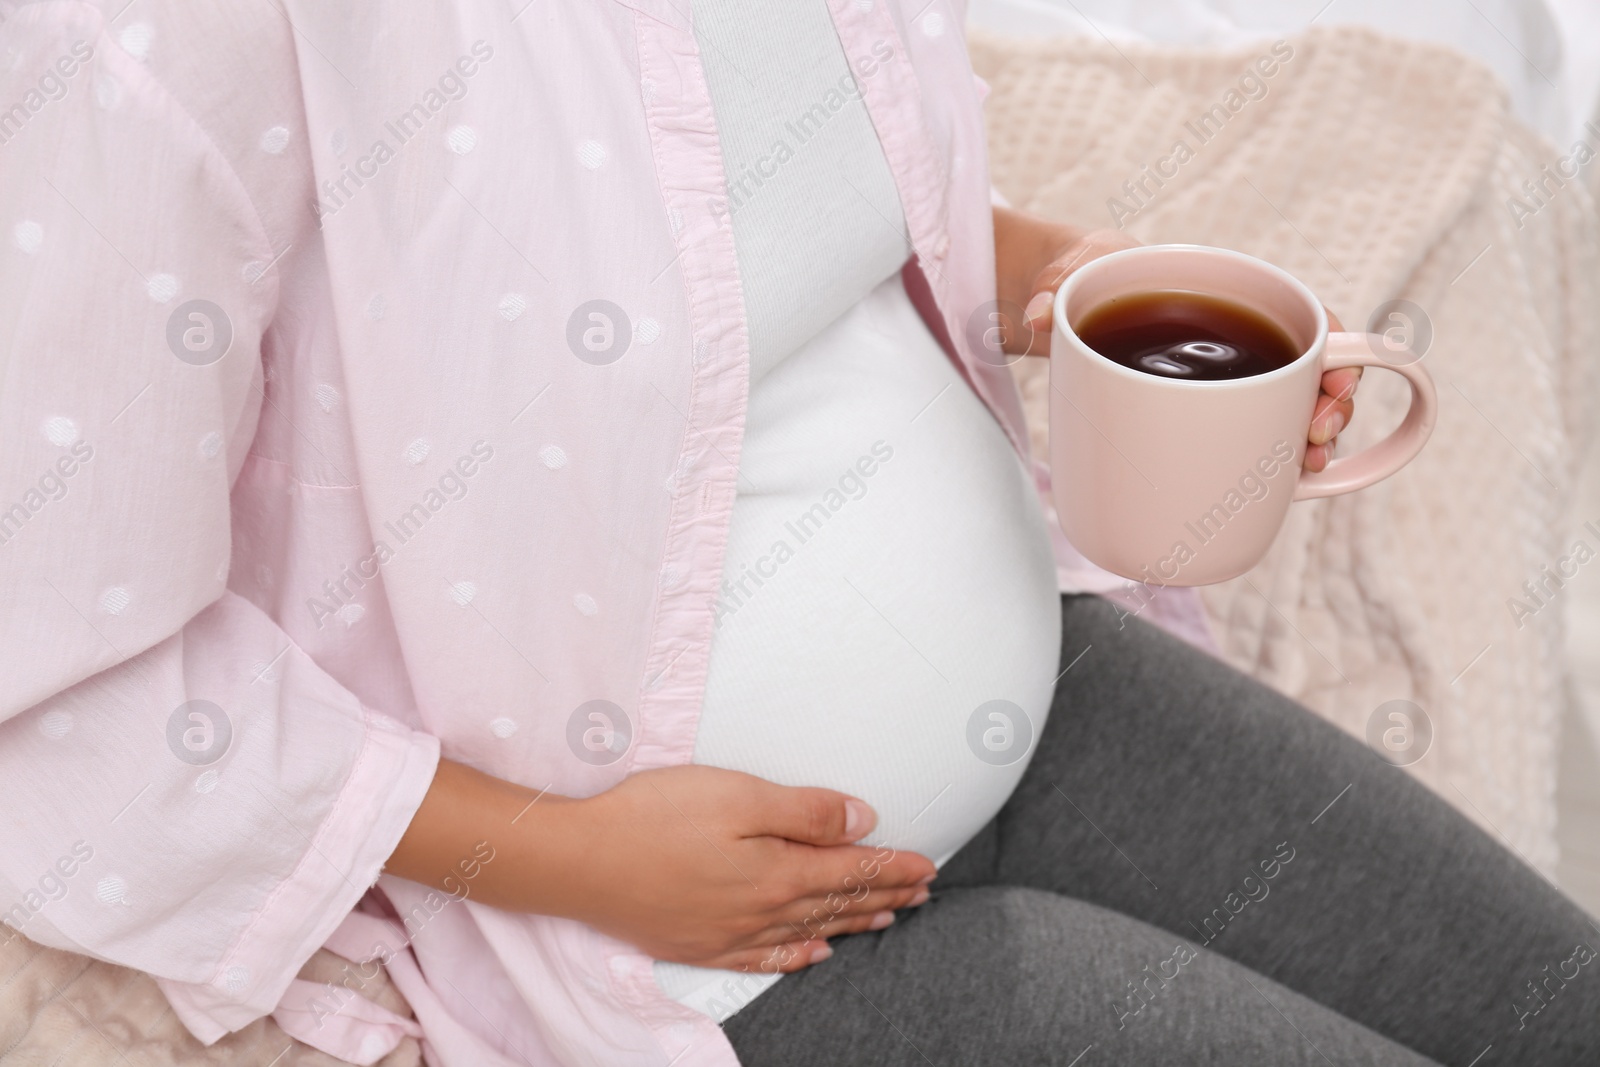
[1179, 482]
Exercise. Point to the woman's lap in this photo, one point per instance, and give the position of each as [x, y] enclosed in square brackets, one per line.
[1014, 976]
[1173, 801]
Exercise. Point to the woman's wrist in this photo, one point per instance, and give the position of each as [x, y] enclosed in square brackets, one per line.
[546, 845]
[494, 841]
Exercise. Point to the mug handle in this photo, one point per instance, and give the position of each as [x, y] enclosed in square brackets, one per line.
[1374, 464]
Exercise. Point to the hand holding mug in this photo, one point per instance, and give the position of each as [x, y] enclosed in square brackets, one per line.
[1068, 250]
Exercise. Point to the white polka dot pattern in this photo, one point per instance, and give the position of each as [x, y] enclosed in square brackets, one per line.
[28, 235]
[135, 39]
[162, 287]
[326, 396]
[275, 140]
[107, 92]
[55, 724]
[60, 431]
[512, 305]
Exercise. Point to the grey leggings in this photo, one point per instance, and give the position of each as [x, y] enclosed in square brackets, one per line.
[1195, 870]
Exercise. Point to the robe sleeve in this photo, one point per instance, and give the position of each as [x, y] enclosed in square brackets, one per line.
[186, 792]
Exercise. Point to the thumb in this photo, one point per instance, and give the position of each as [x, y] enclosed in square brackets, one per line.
[812, 816]
[1038, 311]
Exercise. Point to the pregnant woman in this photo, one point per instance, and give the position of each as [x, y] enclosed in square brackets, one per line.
[524, 495]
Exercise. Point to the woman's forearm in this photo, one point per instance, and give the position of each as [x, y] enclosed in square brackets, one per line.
[474, 836]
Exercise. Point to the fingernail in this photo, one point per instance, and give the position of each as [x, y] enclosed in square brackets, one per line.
[1038, 306]
[820, 953]
[1326, 427]
[920, 898]
[858, 819]
[925, 879]
[880, 920]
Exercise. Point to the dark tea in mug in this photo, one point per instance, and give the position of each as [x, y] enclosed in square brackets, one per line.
[1178, 333]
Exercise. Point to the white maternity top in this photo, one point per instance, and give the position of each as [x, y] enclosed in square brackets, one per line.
[889, 623]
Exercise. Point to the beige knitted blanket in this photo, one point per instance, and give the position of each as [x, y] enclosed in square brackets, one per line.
[62, 1010]
[1372, 169]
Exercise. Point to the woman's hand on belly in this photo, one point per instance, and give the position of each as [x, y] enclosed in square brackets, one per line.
[716, 868]
[691, 864]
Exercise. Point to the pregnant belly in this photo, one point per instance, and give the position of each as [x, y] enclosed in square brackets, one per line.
[889, 623]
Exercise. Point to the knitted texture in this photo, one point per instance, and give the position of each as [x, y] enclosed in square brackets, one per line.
[1373, 169]
[58, 1008]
